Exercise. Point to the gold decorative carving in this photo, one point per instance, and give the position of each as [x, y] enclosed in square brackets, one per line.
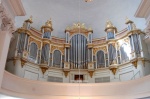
[66, 73]
[135, 63]
[62, 49]
[23, 61]
[110, 27]
[43, 69]
[91, 73]
[99, 48]
[113, 69]
[66, 45]
[90, 45]
[29, 20]
[128, 21]
[78, 28]
[48, 26]
[31, 39]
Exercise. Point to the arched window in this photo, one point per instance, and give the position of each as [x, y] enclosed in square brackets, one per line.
[125, 52]
[33, 51]
[21, 42]
[100, 59]
[56, 58]
[112, 54]
[45, 54]
[136, 44]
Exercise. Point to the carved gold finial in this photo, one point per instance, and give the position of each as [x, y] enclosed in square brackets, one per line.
[128, 21]
[49, 23]
[29, 20]
[109, 26]
[48, 26]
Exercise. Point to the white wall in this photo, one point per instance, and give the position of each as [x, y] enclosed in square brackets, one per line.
[29, 89]
[124, 72]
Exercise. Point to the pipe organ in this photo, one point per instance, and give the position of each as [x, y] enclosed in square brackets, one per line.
[78, 50]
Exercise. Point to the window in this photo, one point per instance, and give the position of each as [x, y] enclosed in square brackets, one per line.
[21, 42]
[110, 35]
[100, 59]
[46, 35]
[56, 58]
[33, 51]
[125, 52]
[112, 54]
[45, 54]
[136, 44]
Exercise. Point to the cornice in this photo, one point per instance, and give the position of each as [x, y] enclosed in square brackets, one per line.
[143, 9]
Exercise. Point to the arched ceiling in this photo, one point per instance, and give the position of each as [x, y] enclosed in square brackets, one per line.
[94, 14]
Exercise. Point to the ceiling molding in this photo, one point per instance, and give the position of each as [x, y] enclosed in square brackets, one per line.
[143, 9]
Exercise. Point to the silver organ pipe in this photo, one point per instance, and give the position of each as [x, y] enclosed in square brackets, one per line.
[78, 52]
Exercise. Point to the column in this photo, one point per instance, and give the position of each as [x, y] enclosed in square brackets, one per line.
[5, 37]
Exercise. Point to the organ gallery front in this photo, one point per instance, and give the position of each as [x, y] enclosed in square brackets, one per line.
[48, 58]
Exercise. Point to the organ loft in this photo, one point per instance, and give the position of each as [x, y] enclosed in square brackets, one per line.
[59, 59]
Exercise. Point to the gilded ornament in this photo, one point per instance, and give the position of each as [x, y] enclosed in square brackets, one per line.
[95, 50]
[23, 61]
[91, 73]
[66, 73]
[43, 69]
[78, 28]
[109, 27]
[128, 21]
[29, 20]
[61, 49]
[48, 26]
[135, 63]
[31, 39]
[113, 69]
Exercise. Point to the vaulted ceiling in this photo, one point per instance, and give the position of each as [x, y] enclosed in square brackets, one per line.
[94, 14]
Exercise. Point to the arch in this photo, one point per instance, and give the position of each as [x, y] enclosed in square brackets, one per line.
[100, 59]
[21, 42]
[136, 44]
[78, 52]
[112, 54]
[125, 52]
[33, 51]
[70, 37]
[56, 58]
[45, 53]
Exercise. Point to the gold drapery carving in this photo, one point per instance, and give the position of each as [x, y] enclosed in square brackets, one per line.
[99, 48]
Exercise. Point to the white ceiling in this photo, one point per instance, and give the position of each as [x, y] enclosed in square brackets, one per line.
[93, 14]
